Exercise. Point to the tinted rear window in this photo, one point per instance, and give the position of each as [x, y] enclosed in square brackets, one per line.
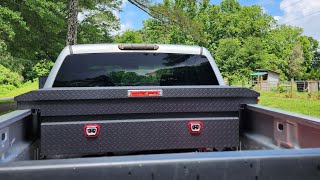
[134, 69]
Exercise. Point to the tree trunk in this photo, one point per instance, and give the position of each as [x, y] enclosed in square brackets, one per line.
[72, 22]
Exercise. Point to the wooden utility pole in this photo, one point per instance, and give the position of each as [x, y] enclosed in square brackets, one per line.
[72, 22]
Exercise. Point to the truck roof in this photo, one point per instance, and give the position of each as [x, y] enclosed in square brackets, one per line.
[104, 48]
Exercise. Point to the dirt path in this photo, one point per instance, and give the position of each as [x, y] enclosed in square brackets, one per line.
[7, 107]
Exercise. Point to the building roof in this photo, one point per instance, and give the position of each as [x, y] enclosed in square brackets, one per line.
[267, 70]
[258, 73]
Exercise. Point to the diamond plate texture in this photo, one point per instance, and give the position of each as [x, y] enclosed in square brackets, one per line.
[117, 93]
[137, 135]
[138, 116]
[137, 105]
[63, 113]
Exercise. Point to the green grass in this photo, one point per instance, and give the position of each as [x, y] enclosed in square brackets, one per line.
[6, 101]
[303, 103]
[14, 91]
[2, 113]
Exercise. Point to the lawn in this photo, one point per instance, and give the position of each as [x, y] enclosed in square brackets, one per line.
[26, 87]
[11, 91]
[304, 103]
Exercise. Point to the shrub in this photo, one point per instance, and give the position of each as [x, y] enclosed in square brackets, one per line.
[281, 89]
[8, 77]
[42, 68]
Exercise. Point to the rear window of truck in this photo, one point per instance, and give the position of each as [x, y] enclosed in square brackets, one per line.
[134, 69]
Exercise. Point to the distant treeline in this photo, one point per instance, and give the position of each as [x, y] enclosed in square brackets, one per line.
[241, 38]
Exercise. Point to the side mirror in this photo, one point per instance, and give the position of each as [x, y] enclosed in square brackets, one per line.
[42, 81]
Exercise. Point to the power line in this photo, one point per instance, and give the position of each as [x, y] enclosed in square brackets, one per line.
[161, 16]
[141, 7]
[301, 17]
[292, 4]
[146, 9]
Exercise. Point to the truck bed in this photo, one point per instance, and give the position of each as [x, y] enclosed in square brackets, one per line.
[268, 151]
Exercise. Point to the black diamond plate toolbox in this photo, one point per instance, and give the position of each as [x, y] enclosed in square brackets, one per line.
[129, 124]
[99, 93]
[62, 138]
[99, 101]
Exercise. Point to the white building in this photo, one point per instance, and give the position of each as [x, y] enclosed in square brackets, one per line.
[266, 79]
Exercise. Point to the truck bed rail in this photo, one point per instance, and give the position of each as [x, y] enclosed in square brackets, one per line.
[285, 129]
[17, 133]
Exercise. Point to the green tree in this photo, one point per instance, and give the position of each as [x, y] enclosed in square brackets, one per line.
[316, 60]
[34, 30]
[295, 62]
[241, 38]
[227, 58]
[154, 32]
[180, 20]
[42, 68]
[230, 6]
[39, 34]
[129, 36]
[254, 37]
[10, 23]
[98, 20]
[45, 21]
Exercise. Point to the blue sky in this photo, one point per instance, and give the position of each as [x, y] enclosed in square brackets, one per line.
[132, 17]
[291, 12]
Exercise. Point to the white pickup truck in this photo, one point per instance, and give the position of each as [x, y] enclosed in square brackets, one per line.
[139, 111]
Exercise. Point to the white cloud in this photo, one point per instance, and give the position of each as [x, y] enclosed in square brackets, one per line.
[277, 18]
[124, 3]
[298, 13]
[128, 16]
